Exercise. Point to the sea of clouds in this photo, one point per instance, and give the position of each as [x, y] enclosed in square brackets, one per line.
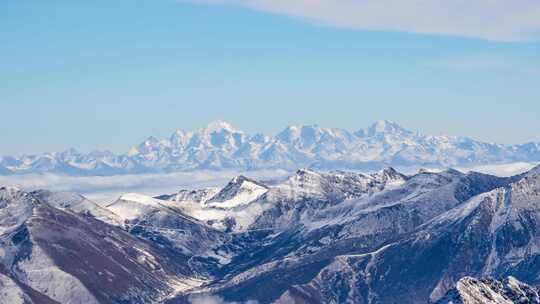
[105, 189]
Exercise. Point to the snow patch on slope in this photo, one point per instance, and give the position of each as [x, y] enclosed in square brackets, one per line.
[10, 292]
[131, 206]
[505, 170]
[41, 273]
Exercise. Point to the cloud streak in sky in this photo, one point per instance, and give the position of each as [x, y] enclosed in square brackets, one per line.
[500, 20]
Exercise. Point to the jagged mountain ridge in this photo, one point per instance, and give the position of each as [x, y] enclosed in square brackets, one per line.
[317, 237]
[492, 234]
[315, 230]
[220, 146]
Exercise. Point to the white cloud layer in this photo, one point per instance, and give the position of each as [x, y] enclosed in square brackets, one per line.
[104, 189]
[501, 169]
[504, 20]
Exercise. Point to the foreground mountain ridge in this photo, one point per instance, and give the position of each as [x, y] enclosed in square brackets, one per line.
[220, 146]
[51, 253]
[316, 237]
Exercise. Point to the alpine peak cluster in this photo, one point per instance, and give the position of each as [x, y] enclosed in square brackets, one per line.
[220, 146]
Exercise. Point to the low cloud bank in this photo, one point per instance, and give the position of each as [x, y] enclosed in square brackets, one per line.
[104, 189]
[501, 170]
[107, 188]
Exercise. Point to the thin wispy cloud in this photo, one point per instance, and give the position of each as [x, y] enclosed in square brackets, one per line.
[486, 19]
[476, 62]
[484, 62]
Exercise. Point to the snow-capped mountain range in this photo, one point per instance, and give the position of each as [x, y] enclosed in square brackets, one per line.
[316, 237]
[221, 146]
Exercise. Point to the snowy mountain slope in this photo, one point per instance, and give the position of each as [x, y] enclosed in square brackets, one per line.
[78, 204]
[49, 255]
[240, 190]
[11, 292]
[161, 222]
[221, 146]
[478, 291]
[309, 233]
[493, 234]
[340, 206]
[236, 216]
[193, 196]
[243, 201]
[305, 221]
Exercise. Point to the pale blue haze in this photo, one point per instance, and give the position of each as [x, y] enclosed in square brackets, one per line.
[106, 74]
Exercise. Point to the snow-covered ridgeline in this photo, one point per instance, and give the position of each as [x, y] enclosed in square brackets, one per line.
[220, 146]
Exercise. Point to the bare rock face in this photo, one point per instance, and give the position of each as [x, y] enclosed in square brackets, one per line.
[480, 291]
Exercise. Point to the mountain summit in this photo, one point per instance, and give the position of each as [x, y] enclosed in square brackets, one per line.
[221, 146]
[220, 125]
[384, 127]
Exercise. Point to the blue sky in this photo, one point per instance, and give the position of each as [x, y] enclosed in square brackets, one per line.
[107, 74]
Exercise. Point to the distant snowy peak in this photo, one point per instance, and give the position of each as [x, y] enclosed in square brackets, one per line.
[470, 290]
[308, 135]
[384, 127]
[389, 175]
[220, 126]
[221, 146]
